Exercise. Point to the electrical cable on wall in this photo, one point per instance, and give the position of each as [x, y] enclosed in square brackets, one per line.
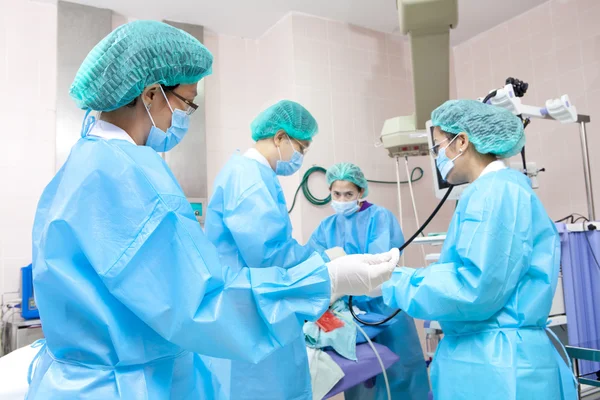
[415, 176]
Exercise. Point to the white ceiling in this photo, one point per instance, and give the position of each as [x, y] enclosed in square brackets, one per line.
[251, 18]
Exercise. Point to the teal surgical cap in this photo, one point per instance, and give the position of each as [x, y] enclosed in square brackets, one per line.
[491, 129]
[286, 115]
[133, 57]
[347, 172]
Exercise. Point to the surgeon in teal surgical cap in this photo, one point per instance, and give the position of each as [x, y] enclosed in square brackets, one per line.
[361, 227]
[248, 222]
[493, 286]
[128, 287]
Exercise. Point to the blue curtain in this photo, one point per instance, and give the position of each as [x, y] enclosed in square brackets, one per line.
[581, 283]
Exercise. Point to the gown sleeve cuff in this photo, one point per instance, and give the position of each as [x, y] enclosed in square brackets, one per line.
[288, 297]
[395, 291]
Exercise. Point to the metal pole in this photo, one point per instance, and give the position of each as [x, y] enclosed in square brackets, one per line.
[575, 364]
[587, 172]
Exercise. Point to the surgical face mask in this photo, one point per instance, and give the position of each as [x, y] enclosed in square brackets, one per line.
[444, 164]
[162, 141]
[286, 168]
[345, 208]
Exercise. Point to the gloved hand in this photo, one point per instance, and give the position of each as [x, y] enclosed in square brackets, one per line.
[361, 274]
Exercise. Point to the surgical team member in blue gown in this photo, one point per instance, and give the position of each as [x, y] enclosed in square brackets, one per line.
[361, 227]
[493, 286]
[127, 285]
[248, 222]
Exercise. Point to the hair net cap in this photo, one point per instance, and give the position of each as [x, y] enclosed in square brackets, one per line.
[491, 129]
[347, 172]
[133, 57]
[286, 115]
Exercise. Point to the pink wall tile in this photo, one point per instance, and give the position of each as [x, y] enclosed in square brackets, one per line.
[314, 75]
[542, 44]
[319, 154]
[403, 94]
[367, 39]
[343, 118]
[572, 83]
[362, 117]
[338, 33]
[545, 90]
[358, 60]
[592, 76]
[452, 77]
[540, 20]
[379, 63]
[566, 33]
[398, 67]
[590, 49]
[520, 53]
[517, 28]
[482, 60]
[545, 67]
[367, 160]
[498, 37]
[395, 45]
[463, 54]
[342, 80]
[308, 26]
[502, 66]
[318, 102]
[310, 50]
[584, 6]
[569, 58]
[344, 152]
[339, 56]
[381, 88]
[562, 11]
[588, 21]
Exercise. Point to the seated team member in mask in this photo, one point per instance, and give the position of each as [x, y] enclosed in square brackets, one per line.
[127, 285]
[361, 227]
[493, 286]
[248, 222]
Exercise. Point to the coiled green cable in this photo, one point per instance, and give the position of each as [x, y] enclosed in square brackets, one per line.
[321, 202]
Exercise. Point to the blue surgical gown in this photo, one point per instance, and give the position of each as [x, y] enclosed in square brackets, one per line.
[491, 292]
[129, 288]
[375, 230]
[247, 220]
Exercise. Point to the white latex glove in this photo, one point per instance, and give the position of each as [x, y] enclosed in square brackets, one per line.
[361, 274]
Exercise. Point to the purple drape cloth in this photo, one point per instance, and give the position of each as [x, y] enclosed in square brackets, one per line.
[581, 285]
[365, 368]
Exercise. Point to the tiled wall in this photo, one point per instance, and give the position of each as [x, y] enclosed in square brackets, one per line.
[27, 112]
[556, 48]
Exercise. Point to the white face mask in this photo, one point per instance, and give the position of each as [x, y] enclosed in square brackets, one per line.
[345, 208]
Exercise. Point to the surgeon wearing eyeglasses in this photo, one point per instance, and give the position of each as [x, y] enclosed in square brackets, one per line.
[129, 288]
[493, 286]
[247, 220]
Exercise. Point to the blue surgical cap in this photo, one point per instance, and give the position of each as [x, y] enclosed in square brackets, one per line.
[133, 57]
[347, 172]
[286, 115]
[491, 129]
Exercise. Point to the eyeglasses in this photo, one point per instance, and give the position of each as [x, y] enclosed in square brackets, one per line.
[435, 150]
[303, 149]
[191, 105]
